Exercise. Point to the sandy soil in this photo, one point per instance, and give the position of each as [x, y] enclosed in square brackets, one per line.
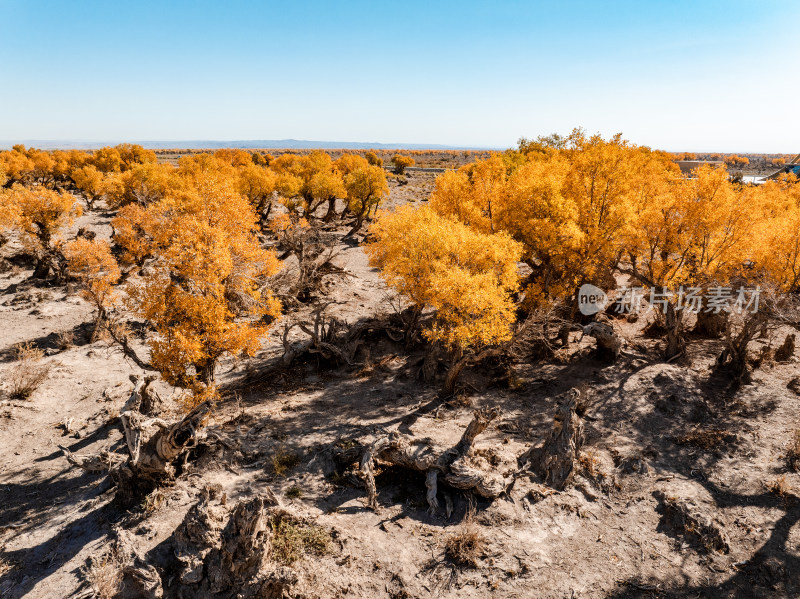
[605, 536]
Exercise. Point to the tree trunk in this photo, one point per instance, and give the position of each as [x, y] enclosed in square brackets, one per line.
[710, 324]
[675, 343]
[453, 373]
[154, 448]
[608, 342]
[356, 227]
[331, 213]
[205, 371]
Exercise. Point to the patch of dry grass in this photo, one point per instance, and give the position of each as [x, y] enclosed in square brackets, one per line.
[779, 486]
[6, 567]
[465, 547]
[294, 492]
[284, 462]
[153, 501]
[29, 372]
[590, 463]
[704, 438]
[292, 539]
[104, 575]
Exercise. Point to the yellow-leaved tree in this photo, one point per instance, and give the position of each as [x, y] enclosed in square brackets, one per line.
[471, 193]
[465, 276]
[91, 263]
[41, 215]
[90, 182]
[205, 290]
[366, 187]
[693, 233]
[9, 212]
[401, 163]
[141, 184]
[258, 185]
[777, 238]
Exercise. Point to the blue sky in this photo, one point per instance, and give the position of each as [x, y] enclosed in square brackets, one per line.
[679, 75]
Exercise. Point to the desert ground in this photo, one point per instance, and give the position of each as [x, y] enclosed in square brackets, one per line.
[682, 488]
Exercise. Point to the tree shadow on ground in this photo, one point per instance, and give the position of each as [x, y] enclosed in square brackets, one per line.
[25, 508]
[78, 336]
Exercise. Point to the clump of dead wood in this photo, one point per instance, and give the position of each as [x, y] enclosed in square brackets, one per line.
[243, 548]
[313, 253]
[691, 521]
[121, 572]
[156, 449]
[457, 466]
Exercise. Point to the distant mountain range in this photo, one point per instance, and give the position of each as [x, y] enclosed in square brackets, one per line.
[44, 144]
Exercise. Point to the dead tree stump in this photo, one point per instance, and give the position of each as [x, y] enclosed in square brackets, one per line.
[224, 550]
[786, 350]
[608, 342]
[689, 520]
[554, 461]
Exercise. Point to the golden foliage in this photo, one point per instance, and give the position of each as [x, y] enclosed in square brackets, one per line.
[41, 214]
[466, 276]
[204, 293]
[91, 182]
[401, 163]
[9, 211]
[91, 262]
[142, 184]
[366, 187]
[257, 184]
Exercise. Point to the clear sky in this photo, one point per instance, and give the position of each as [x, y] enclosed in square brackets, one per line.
[674, 74]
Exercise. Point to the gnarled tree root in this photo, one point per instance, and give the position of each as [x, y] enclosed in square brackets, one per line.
[154, 448]
[455, 466]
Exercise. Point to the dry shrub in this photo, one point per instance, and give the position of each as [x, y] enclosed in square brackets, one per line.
[793, 452]
[465, 547]
[153, 501]
[705, 438]
[283, 462]
[292, 539]
[104, 575]
[6, 567]
[590, 463]
[29, 372]
[294, 492]
[779, 486]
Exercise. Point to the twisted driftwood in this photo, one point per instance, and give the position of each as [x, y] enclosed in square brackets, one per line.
[554, 461]
[455, 466]
[154, 447]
